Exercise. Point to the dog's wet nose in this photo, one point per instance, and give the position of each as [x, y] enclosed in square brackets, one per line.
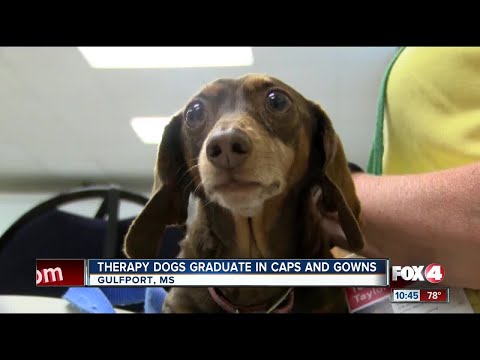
[227, 149]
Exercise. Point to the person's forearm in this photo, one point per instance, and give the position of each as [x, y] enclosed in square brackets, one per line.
[419, 219]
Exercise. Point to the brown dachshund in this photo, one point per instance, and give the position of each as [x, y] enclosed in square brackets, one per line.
[266, 167]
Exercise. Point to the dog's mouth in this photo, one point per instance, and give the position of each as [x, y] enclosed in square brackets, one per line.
[237, 186]
[242, 196]
[233, 184]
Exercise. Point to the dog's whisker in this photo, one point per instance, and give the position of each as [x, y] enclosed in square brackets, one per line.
[187, 171]
[193, 167]
[208, 202]
[183, 175]
[189, 183]
[178, 170]
[196, 188]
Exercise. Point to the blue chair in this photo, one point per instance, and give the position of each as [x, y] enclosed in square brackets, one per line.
[45, 231]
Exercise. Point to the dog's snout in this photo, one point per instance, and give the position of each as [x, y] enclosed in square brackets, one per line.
[229, 148]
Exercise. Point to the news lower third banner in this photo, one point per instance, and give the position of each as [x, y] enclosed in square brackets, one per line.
[194, 272]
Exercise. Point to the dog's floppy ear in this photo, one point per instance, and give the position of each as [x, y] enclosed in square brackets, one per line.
[168, 203]
[338, 190]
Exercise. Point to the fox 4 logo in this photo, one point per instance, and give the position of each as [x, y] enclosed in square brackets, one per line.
[433, 273]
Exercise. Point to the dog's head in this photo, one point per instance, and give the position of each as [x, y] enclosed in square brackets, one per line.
[238, 143]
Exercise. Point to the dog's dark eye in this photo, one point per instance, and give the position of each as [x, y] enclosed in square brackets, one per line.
[195, 114]
[278, 101]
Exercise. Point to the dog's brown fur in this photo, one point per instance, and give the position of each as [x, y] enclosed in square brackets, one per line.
[300, 173]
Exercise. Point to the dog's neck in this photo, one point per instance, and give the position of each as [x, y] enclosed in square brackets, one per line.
[274, 232]
[271, 233]
[258, 236]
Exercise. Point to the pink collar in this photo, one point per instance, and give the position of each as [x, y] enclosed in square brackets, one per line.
[227, 306]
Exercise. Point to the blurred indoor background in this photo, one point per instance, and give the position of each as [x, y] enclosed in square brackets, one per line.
[66, 113]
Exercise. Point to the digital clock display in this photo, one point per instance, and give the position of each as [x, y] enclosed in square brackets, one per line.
[405, 295]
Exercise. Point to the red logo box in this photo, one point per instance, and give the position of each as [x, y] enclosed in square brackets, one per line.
[60, 272]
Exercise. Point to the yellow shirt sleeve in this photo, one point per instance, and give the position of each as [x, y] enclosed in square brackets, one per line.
[432, 110]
